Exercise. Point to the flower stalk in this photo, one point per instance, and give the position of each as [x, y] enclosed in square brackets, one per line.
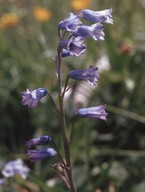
[71, 34]
[63, 125]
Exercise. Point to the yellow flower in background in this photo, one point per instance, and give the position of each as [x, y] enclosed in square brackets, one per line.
[41, 14]
[8, 20]
[80, 4]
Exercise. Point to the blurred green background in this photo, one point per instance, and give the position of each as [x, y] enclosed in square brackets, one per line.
[107, 156]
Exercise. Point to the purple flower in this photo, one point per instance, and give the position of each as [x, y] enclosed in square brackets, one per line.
[90, 75]
[2, 181]
[36, 155]
[71, 23]
[97, 16]
[95, 31]
[93, 112]
[38, 141]
[31, 98]
[12, 168]
[73, 46]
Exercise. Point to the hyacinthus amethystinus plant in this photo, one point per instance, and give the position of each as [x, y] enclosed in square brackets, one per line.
[72, 34]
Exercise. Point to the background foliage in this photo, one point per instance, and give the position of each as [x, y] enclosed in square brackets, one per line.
[107, 156]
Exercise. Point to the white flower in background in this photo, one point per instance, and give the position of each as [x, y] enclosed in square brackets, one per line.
[15, 167]
[130, 84]
[103, 63]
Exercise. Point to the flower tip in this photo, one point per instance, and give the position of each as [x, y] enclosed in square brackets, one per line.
[104, 117]
[52, 152]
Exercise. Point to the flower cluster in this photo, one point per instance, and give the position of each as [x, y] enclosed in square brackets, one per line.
[40, 154]
[74, 44]
[12, 168]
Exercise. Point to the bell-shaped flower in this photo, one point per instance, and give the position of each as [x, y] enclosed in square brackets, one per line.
[97, 16]
[71, 23]
[36, 155]
[90, 75]
[94, 31]
[38, 141]
[15, 167]
[93, 112]
[73, 46]
[32, 97]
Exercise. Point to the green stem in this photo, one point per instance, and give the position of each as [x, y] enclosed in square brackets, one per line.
[59, 155]
[65, 87]
[61, 176]
[66, 146]
[72, 131]
[53, 104]
[63, 124]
